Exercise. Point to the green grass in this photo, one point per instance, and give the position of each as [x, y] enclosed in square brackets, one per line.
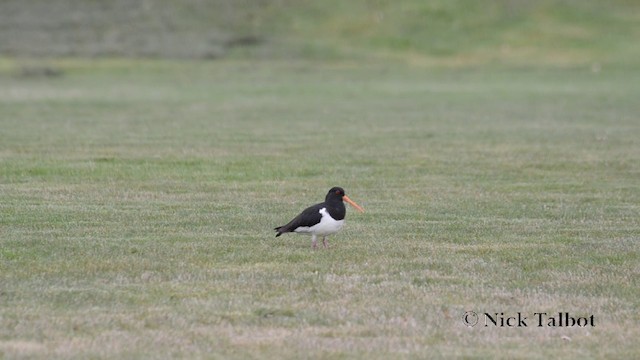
[137, 201]
[444, 32]
[467, 32]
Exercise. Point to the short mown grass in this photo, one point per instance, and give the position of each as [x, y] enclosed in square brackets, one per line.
[137, 201]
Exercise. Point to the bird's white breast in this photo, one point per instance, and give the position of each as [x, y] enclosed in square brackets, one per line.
[326, 226]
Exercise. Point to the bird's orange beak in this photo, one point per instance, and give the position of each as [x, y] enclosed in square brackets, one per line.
[352, 203]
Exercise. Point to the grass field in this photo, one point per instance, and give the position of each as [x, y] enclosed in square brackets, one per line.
[466, 32]
[137, 201]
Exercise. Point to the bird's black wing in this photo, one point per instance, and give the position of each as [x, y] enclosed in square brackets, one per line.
[309, 217]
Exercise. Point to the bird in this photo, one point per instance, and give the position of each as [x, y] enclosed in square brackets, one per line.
[323, 219]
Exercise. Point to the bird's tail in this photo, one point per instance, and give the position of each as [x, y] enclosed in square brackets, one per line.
[278, 230]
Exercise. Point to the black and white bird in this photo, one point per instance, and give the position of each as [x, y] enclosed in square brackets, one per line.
[323, 219]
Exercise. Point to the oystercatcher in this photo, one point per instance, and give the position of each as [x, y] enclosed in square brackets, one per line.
[322, 219]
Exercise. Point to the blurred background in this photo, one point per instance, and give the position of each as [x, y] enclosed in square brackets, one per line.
[440, 32]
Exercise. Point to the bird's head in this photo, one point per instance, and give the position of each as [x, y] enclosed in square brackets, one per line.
[337, 193]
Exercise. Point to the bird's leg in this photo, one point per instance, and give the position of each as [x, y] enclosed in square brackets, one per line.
[324, 242]
[314, 240]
